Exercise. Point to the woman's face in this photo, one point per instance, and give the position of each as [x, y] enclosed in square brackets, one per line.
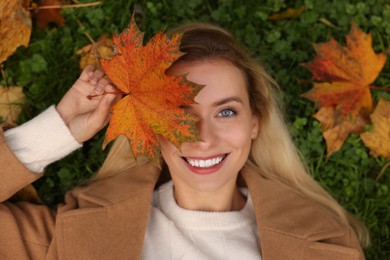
[226, 127]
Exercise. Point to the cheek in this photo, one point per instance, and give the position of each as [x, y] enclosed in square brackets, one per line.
[167, 148]
[238, 136]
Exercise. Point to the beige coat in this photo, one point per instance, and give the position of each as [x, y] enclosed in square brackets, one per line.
[107, 218]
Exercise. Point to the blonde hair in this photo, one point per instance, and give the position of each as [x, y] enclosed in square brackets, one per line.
[273, 151]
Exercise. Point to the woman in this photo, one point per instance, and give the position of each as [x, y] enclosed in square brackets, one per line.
[242, 192]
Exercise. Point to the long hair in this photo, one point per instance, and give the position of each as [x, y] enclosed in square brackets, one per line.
[273, 151]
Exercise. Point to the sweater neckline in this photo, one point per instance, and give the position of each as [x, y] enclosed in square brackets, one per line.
[192, 219]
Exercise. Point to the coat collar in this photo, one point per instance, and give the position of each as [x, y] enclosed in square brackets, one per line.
[113, 215]
[292, 226]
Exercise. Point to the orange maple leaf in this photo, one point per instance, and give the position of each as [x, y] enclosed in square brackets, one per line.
[347, 73]
[344, 95]
[378, 140]
[151, 106]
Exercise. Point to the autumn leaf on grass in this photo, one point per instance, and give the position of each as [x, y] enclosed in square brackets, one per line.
[335, 134]
[11, 101]
[289, 13]
[152, 101]
[347, 73]
[43, 17]
[378, 140]
[103, 48]
[15, 27]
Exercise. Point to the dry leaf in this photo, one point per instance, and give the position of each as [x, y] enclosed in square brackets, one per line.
[11, 102]
[327, 23]
[43, 17]
[153, 100]
[90, 54]
[289, 13]
[336, 134]
[347, 73]
[378, 140]
[15, 27]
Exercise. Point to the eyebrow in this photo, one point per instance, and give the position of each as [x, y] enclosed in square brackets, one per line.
[227, 100]
[219, 102]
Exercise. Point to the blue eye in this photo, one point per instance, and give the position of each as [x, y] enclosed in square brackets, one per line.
[227, 113]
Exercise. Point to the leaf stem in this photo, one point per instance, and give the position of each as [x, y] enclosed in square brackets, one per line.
[65, 6]
[85, 30]
[104, 93]
[382, 171]
[380, 88]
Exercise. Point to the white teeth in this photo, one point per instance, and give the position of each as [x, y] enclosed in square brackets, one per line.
[205, 163]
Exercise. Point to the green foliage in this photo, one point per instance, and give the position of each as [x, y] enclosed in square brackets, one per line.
[48, 67]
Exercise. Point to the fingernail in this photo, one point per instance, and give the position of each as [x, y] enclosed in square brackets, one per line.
[98, 90]
[110, 98]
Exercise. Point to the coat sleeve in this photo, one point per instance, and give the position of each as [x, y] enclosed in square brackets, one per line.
[25, 228]
[13, 174]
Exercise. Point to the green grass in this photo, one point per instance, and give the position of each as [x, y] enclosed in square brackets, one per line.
[48, 67]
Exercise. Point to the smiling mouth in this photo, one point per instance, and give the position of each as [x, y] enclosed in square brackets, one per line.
[205, 163]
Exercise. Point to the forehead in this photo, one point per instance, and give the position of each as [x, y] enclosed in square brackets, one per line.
[220, 78]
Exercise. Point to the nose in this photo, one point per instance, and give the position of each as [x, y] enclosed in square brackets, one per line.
[207, 132]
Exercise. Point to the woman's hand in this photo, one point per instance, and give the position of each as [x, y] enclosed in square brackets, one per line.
[84, 116]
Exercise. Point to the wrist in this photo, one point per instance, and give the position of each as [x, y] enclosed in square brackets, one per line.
[65, 113]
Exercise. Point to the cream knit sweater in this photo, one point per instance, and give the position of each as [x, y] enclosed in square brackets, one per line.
[177, 233]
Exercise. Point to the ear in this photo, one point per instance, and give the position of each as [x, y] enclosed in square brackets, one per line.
[255, 126]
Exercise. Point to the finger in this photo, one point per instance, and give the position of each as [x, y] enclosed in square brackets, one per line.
[87, 72]
[97, 75]
[110, 88]
[103, 82]
[100, 117]
[101, 86]
[99, 89]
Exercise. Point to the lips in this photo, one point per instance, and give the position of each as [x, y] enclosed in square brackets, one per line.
[205, 163]
[205, 166]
